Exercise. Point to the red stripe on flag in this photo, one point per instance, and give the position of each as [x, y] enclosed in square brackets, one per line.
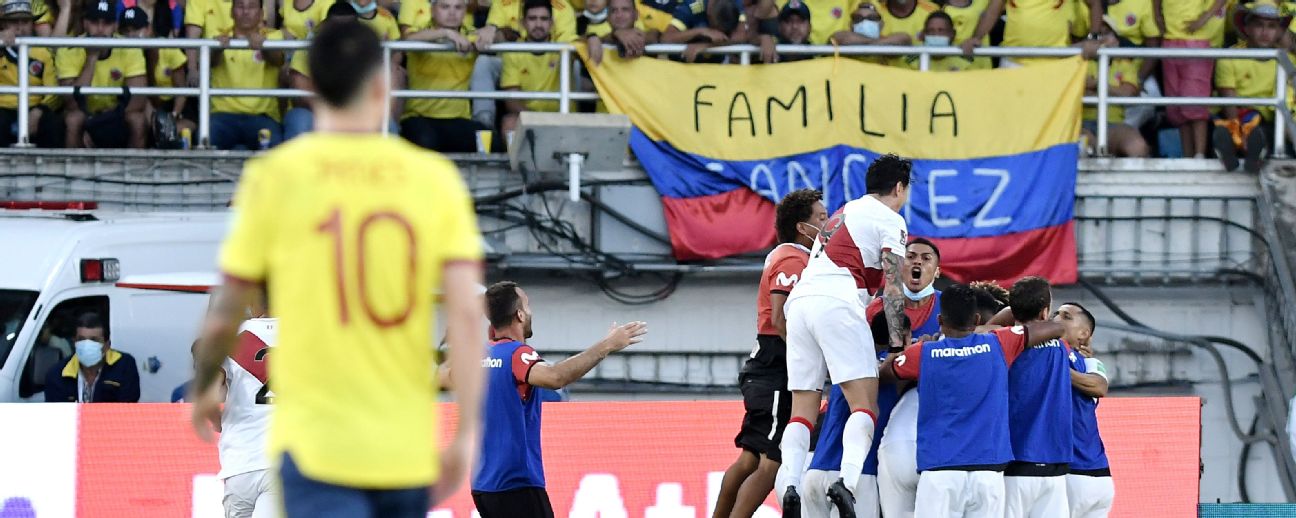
[720, 225]
[1049, 252]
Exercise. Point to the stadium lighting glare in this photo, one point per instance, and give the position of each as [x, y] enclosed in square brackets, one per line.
[551, 143]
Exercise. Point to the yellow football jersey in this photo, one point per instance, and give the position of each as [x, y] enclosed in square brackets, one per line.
[301, 24]
[911, 25]
[169, 60]
[213, 16]
[1038, 23]
[507, 14]
[1134, 20]
[1120, 72]
[531, 73]
[966, 19]
[352, 233]
[384, 24]
[246, 69]
[40, 72]
[827, 17]
[440, 71]
[1249, 77]
[114, 70]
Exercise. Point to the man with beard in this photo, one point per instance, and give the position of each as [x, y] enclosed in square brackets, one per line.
[509, 481]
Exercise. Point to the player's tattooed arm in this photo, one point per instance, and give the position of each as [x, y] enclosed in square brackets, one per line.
[893, 298]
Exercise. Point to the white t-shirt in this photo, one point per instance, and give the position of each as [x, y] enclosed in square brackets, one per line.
[903, 424]
[245, 424]
[846, 261]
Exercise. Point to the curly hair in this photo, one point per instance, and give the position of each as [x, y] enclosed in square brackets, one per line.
[795, 208]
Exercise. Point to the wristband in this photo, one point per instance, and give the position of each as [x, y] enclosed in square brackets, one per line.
[1095, 366]
[1093, 36]
[895, 350]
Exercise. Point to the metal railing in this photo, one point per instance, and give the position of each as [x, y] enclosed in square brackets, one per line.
[565, 95]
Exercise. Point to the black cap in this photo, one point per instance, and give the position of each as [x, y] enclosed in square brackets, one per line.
[132, 19]
[102, 10]
[794, 7]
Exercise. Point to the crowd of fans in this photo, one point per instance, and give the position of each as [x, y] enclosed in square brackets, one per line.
[625, 27]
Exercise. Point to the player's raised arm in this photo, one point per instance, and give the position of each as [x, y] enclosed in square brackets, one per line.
[563, 373]
[1092, 385]
[1040, 332]
[220, 329]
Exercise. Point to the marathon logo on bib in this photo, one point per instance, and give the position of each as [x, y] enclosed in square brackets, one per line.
[960, 352]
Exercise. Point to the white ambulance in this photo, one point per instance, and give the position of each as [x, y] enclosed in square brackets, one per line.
[147, 275]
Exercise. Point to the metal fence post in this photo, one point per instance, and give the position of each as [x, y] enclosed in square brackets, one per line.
[924, 61]
[564, 80]
[387, 83]
[1104, 63]
[1280, 129]
[744, 58]
[204, 97]
[24, 104]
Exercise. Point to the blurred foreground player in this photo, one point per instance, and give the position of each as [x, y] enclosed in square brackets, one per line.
[859, 248]
[763, 380]
[354, 232]
[1090, 489]
[510, 482]
[963, 439]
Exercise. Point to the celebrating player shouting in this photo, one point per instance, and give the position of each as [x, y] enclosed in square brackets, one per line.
[353, 231]
[827, 331]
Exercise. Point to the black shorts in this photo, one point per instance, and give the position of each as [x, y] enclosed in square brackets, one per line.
[769, 405]
[528, 502]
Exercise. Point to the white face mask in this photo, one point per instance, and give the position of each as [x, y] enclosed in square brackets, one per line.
[869, 29]
[89, 353]
[936, 41]
[920, 294]
[596, 17]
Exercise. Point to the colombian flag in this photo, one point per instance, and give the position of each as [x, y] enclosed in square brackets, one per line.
[994, 152]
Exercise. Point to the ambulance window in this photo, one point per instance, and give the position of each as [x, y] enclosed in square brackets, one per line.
[54, 342]
[15, 305]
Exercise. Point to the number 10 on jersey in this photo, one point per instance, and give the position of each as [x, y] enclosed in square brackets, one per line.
[349, 254]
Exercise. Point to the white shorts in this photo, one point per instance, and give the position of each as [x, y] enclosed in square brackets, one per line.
[827, 334]
[1035, 497]
[1090, 497]
[970, 494]
[898, 478]
[251, 495]
[814, 495]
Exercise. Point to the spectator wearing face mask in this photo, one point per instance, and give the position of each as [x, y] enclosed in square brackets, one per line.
[1122, 81]
[867, 28]
[939, 32]
[97, 373]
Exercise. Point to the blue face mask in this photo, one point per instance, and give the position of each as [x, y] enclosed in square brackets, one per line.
[921, 294]
[89, 353]
[373, 6]
[869, 29]
[936, 41]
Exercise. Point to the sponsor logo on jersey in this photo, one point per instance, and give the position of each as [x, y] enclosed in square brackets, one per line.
[492, 363]
[960, 352]
[532, 356]
[784, 279]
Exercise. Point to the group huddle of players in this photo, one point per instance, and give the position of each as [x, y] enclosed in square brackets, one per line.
[972, 401]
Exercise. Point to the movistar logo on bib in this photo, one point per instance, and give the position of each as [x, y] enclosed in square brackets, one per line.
[959, 352]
